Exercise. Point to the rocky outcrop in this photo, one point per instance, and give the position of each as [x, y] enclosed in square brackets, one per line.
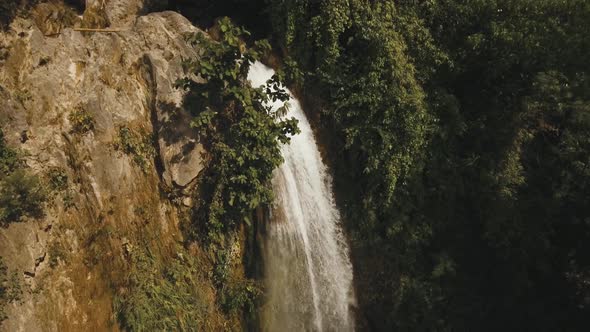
[51, 78]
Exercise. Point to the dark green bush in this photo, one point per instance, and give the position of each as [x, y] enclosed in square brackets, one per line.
[57, 253]
[139, 145]
[58, 179]
[82, 122]
[163, 294]
[240, 295]
[10, 289]
[9, 158]
[21, 195]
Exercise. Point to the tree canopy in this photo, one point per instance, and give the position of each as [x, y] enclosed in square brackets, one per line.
[460, 139]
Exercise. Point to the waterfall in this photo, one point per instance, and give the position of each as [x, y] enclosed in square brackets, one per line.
[308, 274]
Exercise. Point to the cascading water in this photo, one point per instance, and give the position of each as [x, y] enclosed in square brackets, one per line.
[307, 269]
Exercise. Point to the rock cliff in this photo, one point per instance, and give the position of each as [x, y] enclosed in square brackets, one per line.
[100, 110]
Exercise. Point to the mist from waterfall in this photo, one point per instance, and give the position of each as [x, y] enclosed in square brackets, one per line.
[308, 274]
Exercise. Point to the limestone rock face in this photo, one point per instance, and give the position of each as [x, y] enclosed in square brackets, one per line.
[118, 80]
[121, 13]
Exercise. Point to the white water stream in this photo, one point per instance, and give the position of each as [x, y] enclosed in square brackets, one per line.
[308, 273]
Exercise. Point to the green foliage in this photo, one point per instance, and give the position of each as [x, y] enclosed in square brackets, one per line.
[517, 85]
[294, 76]
[461, 130]
[241, 133]
[10, 289]
[82, 121]
[162, 297]
[236, 293]
[58, 179]
[240, 295]
[138, 145]
[21, 194]
[9, 158]
[357, 59]
[57, 253]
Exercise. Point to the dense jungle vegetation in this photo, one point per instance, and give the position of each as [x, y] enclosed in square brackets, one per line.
[459, 136]
[459, 132]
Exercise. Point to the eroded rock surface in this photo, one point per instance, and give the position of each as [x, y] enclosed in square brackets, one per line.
[118, 80]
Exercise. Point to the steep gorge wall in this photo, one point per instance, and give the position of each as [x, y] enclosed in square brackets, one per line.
[101, 109]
